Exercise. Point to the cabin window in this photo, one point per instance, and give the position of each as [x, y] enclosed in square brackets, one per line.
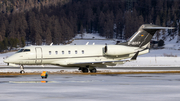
[75, 51]
[82, 51]
[69, 52]
[49, 52]
[56, 52]
[26, 50]
[62, 52]
[23, 50]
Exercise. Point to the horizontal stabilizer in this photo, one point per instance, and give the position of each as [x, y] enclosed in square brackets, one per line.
[159, 27]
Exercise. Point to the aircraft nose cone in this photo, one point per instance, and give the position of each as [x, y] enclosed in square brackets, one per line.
[6, 61]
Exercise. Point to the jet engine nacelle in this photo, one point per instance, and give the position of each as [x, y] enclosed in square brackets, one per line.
[118, 50]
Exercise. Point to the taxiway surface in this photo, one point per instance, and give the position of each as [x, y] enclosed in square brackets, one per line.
[74, 70]
[109, 68]
[124, 87]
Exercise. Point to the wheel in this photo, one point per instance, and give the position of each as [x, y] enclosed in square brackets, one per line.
[93, 70]
[22, 71]
[85, 70]
[80, 68]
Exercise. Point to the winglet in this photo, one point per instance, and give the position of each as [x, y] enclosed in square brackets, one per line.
[135, 56]
[87, 43]
[51, 44]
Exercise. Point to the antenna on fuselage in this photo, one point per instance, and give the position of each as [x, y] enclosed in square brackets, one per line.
[87, 43]
[51, 44]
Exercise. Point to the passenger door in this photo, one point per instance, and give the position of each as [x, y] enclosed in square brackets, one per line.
[39, 55]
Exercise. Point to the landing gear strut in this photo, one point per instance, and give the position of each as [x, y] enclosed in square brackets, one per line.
[22, 69]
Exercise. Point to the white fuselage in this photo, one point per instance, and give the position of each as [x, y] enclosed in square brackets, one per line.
[73, 55]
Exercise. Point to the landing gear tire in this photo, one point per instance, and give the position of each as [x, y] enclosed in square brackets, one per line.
[93, 70]
[22, 71]
[84, 70]
[80, 68]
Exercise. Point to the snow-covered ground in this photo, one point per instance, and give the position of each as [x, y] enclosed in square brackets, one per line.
[88, 36]
[158, 58]
[4, 56]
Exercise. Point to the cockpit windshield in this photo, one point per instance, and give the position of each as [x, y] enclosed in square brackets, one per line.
[23, 50]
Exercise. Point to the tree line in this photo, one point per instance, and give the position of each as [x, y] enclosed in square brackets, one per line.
[58, 21]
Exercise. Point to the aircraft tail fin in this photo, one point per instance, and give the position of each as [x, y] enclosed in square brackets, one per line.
[144, 35]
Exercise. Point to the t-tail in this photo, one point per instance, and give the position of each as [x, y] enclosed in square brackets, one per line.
[144, 35]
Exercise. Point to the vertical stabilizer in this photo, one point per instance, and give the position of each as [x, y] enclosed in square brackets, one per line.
[144, 35]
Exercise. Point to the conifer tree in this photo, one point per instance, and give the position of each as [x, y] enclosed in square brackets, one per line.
[48, 36]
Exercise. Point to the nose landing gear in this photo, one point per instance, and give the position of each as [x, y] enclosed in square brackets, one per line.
[22, 69]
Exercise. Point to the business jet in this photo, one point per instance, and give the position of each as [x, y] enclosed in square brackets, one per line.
[86, 57]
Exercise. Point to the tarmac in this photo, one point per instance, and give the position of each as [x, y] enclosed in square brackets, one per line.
[109, 87]
[5, 71]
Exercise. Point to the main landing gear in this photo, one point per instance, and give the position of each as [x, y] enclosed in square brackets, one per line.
[22, 69]
[87, 69]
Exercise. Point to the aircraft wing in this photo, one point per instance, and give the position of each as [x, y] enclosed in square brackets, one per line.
[100, 62]
[94, 63]
[90, 63]
[108, 62]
